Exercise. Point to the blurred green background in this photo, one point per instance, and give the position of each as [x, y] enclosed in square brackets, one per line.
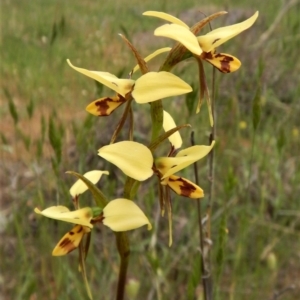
[45, 131]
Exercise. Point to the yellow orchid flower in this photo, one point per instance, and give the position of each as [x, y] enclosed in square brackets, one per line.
[150, 87]
[205, 45]
[119, 215]
[166, 167]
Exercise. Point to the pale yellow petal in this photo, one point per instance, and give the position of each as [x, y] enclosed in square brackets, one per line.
[184, 187]
[123, 214]
[80, 187]
[180, 34]
[170, 165]
[221, 35]
[152, 55]
[81, 216]
[158, 85]
[168, 124]
[166, 17]
[121, 86]
[133, 158]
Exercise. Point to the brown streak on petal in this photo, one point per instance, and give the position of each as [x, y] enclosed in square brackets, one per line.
[207, 55]
[103, 104]
[67, 245]
[80, 229]
[186, 189]
[225, 62]
[215, 41]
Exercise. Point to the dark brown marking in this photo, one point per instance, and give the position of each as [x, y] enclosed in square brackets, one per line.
[67, 245]
[225, 62]
[103, 104]
[186, 189]
[207, 55]
[80, 229]
[215, 41]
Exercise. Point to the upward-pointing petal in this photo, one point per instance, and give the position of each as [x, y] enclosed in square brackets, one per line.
[180, 34]
[168, 124]
[80, 187]
[158, 85]
[221, 35]
[166, 17]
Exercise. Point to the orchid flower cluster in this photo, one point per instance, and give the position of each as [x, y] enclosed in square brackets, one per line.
[137, 161]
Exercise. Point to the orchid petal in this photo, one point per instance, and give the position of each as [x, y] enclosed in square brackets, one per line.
[180, 34]
[158, 85]
[80, 187]
[170, 165]
[168, 124]
[221, 35]
[152, 55]
[123, 215]
[121, 86]
[81, 216]
[166, 17]
[70, 241]
[105, 106]
[133, 158]
[184, 187]
[225, 63]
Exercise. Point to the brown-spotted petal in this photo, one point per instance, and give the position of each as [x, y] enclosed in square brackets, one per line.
[184, 187]
[134, 159]
[105, 106]
[166, 17]
[158, 85]
[80, 187]
[121, 86]
[180, 34]
[81, 216]
[70, 241]
[225, 63]
[221, 35]
[123, 215]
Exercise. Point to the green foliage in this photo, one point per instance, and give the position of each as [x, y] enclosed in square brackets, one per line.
[30, 108]
[12, 108]
[55, 134]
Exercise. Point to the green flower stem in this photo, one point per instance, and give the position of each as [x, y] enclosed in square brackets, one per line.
[200, 227]
[124, 252]
[123, 245]
[157, 119]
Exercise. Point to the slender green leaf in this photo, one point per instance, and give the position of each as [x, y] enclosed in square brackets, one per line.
[12, 108]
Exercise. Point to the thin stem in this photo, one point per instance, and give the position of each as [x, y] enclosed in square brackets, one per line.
[211, 170]
[124, 252]
[201, 239]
